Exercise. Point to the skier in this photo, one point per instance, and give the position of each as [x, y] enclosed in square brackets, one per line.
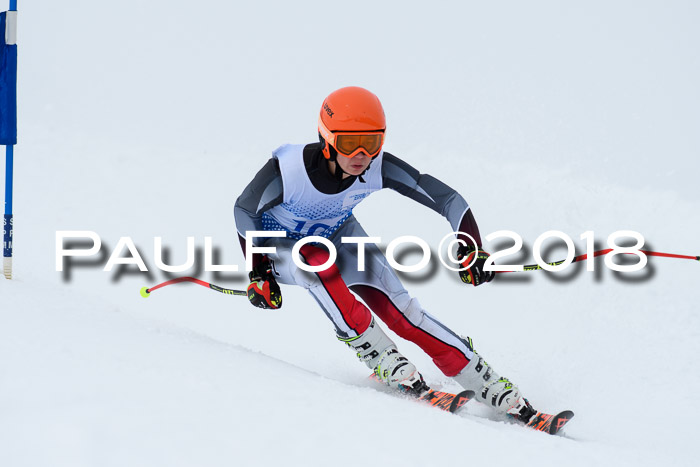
[312, 189]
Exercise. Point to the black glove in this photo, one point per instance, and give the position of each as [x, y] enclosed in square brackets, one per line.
[475, 274]
[263, 290]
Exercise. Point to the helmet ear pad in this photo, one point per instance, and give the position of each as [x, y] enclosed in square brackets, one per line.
[329, 151]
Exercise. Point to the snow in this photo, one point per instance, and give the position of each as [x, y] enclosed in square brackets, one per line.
[546, 116]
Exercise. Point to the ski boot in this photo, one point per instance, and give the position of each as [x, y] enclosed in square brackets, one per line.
[491, 389]
[380, 354]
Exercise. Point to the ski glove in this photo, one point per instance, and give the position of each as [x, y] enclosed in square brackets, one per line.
[474, 274]
[263, 290]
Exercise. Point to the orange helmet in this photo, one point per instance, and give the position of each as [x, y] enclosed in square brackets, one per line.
[351, 120]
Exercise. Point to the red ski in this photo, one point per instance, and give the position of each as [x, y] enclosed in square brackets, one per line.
[550, 423]
[450, 402]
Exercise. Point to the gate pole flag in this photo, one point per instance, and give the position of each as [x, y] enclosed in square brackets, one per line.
[8, 120]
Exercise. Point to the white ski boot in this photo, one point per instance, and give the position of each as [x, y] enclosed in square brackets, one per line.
[490, 388]
[380, 354]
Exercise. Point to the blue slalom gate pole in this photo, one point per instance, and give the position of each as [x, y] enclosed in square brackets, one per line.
[8, 122]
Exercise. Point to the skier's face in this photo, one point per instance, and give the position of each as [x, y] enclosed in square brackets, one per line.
[354, 165]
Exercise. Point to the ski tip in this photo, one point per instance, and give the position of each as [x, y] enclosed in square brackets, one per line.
[559, 420]
[461, 399]
[144, 292]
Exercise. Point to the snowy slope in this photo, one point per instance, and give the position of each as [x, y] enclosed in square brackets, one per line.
[545, 116]
[91, 384]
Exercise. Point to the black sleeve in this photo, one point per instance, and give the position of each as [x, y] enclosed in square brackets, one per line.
[263, 193]
[431, 192]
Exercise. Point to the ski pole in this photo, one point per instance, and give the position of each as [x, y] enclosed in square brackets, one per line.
[145, 291]
[534, 267]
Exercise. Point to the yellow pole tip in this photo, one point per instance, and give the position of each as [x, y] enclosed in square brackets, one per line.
[144, 292]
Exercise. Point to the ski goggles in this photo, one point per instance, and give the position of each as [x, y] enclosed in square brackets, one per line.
[351, 143]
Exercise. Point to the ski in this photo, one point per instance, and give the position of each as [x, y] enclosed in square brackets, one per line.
[547, 423]
[452, 403]
[446, 401]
